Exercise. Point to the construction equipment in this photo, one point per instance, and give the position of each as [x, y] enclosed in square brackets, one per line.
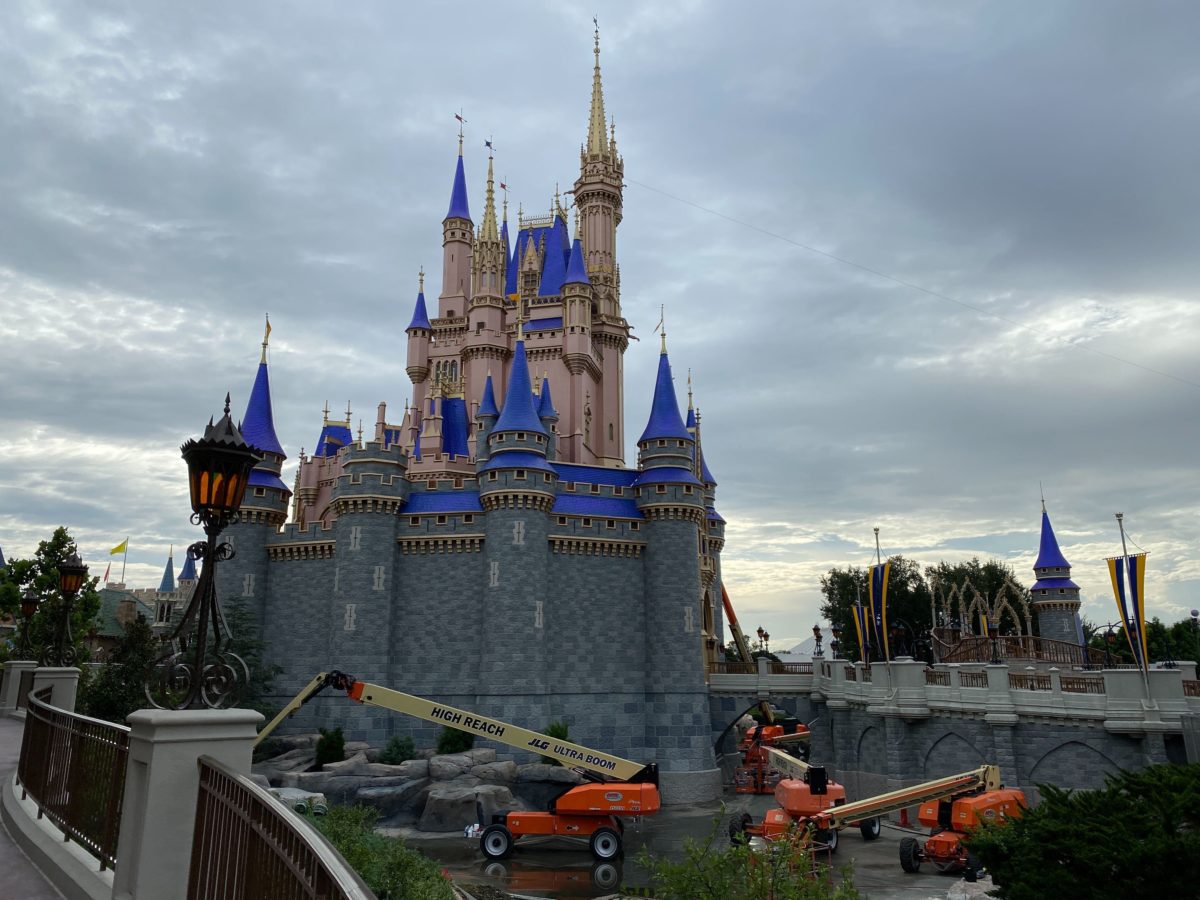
[952, 806]
[756, 775]
[593, 812]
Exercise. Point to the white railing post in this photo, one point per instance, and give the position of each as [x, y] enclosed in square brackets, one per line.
[63, 684]
[161, 783]
[13, 670]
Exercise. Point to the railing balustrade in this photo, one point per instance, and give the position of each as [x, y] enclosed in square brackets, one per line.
[938, 677]
[25, 687]
[972, 679]
[74, 769]
[797, 668]
[851, 674]
[977, 648]
[730, 667]
[1191, 688]
[248, 846]
[866, 674]
[1028, 681]
[1082, 684]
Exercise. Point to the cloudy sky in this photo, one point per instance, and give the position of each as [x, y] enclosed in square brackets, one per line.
[919, 256]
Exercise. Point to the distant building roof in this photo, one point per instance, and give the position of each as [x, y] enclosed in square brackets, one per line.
[167, 585]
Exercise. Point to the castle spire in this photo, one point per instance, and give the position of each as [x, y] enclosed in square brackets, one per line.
[597, 131]
[258, 424]
[665, 420]
[266, 337]
[459, 208]
[489, 231]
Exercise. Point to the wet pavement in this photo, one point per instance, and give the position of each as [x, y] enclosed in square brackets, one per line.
[566, 870]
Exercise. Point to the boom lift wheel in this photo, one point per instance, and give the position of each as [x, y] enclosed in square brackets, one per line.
[870, 828]
[605, 875]
[828, 836]
[737, 828]
[971, 875]
[496, 842]
[605, 843]
[910, 855]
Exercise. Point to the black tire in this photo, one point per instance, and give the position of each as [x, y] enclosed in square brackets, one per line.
[829, 837]
[495, 869]
[910, 855]
[870, 829]
[496, 842]
[605, 844]
[606, 875]
[737, 828]
[971, 873]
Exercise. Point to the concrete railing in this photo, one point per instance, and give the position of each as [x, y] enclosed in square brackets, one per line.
[1123, 700]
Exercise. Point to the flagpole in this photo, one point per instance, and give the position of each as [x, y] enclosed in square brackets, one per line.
[124, 557]
[1125, 575]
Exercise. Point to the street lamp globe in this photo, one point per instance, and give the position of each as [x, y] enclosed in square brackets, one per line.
[219, 465]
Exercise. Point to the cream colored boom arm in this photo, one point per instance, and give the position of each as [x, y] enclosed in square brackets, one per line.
[569, 754]
[983, 778]
[787, 764]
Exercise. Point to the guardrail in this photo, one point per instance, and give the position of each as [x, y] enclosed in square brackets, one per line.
[248, 845]
[73, 768]
[1029, 682]
[1191, 688]
[975, 648]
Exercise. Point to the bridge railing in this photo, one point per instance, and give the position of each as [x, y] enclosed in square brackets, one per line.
[73, 768]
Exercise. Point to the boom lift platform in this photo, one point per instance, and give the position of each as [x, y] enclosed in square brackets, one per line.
[951, 806]
[594, 812]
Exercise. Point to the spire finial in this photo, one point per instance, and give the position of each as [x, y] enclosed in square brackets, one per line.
[266, 337]
[421, 280]
[488, 230]
[689, 388]
[597, 141]
[1043, 493]
[504, 187]
[360, 430]
[227, 403]
[461, 122]
[662, 325]
[347, 412]
[325, 414]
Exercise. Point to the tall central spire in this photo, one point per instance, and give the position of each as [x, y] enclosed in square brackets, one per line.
[597, 130]
[489, 230]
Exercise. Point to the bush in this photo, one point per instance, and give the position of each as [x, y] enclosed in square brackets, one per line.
[117, 689]
[331, 747]
[556, 729]
[390, 869]
[268, 749]
[398, 750]
[708, 871]
[451, 740]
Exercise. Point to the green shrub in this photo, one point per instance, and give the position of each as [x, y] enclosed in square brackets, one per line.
[398, 750]
[269, 748]
[390, 869]
[556, 729]
[451, 740]
[331, 747]
[710, 871]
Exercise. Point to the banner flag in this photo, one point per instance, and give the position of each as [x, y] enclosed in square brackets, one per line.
[859, 613]
[877, 588]
[1131, 601]
[122, 547]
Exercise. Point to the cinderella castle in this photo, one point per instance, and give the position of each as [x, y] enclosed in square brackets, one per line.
[492, 550]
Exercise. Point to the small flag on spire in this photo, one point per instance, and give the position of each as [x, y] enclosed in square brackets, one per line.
[503, 186]
[488, 144]
[460, 118]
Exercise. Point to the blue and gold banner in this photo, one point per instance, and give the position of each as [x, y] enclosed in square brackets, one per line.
[1131, 601]
[877, 587]
[859, 613]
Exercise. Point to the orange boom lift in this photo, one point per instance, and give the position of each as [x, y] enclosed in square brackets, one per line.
[593, 812]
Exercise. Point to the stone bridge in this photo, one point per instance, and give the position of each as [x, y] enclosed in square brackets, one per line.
[886, 726]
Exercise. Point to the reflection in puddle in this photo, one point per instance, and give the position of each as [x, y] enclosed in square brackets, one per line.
[575, 879]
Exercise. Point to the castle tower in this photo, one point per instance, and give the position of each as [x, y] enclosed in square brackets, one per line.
[1055, 596]
[457, 234]
[487, 347]
[419, 331]
[517, 490]
[671, 499]
[578, 356]
[265, 503]
[486, 417]
[598, 197]
[167, 585]
[548, 416]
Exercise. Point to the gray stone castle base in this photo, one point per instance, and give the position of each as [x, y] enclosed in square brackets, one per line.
[681, 788]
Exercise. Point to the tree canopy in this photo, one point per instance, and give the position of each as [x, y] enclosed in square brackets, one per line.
[908, 601]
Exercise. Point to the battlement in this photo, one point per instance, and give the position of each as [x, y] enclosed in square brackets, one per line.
[375, 453]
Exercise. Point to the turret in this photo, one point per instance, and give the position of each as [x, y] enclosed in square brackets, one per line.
[187, 575]
[457, 238]
[1055, 596]
[548, 416]
[167, 585]
[267, 496]
[419, 331]
[485, 418]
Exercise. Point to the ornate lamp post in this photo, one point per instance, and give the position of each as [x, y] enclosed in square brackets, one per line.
[29, 605]
[1110, 640]
[994, 634]
[1196, 631]
[817, 638]
[61, 650]
[196, 675]
[836, 643]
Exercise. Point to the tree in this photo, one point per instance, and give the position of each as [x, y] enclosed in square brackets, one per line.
[247, 643]
[908, 601]
[41, 573]
[117, 689]
[1137, 837]
[988, 578]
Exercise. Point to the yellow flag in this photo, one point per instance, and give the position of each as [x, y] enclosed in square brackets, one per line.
[120, 548]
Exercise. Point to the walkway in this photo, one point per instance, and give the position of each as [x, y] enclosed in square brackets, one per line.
[21, 879]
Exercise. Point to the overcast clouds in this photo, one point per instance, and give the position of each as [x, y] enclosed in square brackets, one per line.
[171, 172]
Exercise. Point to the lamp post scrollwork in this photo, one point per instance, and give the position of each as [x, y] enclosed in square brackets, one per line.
[60, 652]
[29, 606]
[194, 673]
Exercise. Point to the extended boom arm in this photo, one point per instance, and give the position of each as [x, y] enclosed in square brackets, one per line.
[569, 754]
[984, 778]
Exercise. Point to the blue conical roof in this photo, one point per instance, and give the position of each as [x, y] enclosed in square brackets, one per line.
[487, 407]
[167, 585]
[1049, 556]
[665, 420]
[420, 317]
[518, 413]
[458, 195]
[507, 249]
[188, 572]
[576, 270]
[258, 425]
[545, 404]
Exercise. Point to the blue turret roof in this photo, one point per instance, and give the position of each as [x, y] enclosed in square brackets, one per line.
[518, 413]
[507, 249]
[188, 572]
[487, 406]
[458, 195]
[554, 266]
[665, 421]
[545, 404]
[454, 427]
[167, 585]
[258, 425]
[576, 270]
[420, 317]
[1049, 556]
[334, 436]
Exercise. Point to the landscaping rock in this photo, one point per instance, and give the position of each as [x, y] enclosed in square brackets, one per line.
[496, 771]
[444, 768]
[354, 765]
[547, 772]
[300, 760]
[452, 808]
[356, 746]
[395, 800]
[413, 768]
[481, 755]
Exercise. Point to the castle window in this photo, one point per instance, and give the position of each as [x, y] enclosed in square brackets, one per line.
[491, 476]
[520, 435]
[414, 520]
[611, 523]
[431, 485]
[587, 523]
[479, 328]
[441, 520]
[635, 526]
[469, 519]
[610, 431]
[660, 489]
[562, 520]
[662, 443]
[260, 492]
[594, 488]
[1062, 590]
[519, 475]
[545, 479]
[570, 486]
[458, 482]
[687, 488]
[618, 491]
